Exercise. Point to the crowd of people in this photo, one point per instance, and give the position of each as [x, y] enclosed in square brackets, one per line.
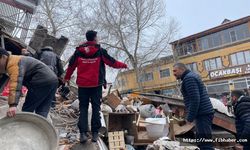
[42, 73]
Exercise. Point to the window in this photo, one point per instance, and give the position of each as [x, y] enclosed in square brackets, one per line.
[233, 36]
[186, 48]
[242, 31]
[240, 84]
[204, 43]
[147, 77]
[248, 82]
[247, 56]
[212, 64]
[218, 88]
[223, 37]
[216, 38]
[164, 73]
[233, 60]
[240, 58]
[192, 67]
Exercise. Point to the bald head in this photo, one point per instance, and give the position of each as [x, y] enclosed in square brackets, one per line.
[179, 69]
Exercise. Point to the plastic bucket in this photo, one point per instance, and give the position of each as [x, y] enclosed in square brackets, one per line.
[157, 127]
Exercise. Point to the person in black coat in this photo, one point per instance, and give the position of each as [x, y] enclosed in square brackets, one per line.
[198, 105]
[241, 105]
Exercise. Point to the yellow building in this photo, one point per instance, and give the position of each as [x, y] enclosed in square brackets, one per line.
[221, 55]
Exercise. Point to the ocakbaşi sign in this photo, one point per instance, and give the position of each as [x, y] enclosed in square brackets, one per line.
[232, 71]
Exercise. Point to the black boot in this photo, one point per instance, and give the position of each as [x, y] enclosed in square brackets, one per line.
[95, 136]
[83, 137]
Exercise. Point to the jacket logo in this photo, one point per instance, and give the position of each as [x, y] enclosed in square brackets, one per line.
[89, 61]
[86, 49]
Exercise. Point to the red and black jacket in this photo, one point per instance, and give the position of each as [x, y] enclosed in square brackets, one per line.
[90, 60]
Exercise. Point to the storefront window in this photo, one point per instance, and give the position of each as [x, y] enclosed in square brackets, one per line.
[240, 84]
[218, 88]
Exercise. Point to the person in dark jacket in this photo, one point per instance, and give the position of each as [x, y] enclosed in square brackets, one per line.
[90, 60]
[52, 60]
[35, 75]
[198, 105]
[241, 105]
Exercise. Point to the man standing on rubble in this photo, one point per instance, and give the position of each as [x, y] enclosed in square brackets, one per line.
[35, 75]
[198, 105]
[241, 105]
[90, 60]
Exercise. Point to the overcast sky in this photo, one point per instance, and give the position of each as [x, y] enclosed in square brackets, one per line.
[198, 15]
[195, 16]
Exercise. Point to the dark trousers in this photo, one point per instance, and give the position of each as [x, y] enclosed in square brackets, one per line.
[39, 99]
[204, 130]
[246, 147]
[93, 95]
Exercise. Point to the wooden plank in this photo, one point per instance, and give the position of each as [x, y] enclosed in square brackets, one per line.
[225, 122]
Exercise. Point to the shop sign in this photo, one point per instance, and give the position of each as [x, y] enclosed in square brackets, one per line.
[232, 71]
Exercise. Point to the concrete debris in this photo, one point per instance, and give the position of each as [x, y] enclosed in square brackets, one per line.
[121, 109]
[106, 108]
[169, 145]
[147, 111]
[75, 105]
[128, 114]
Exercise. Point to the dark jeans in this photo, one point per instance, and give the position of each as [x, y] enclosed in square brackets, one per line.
[39, 99]
[93, 95]
[204, 130]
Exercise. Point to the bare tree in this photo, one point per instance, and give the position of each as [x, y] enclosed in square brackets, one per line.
[138, 29]
[58, 15]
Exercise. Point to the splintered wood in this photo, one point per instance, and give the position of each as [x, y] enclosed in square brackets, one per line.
[116, 140]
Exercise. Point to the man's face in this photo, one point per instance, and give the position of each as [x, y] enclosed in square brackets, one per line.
[24, 51]
[3, 61]
[234, 99]
[96, 39]
[178, 72]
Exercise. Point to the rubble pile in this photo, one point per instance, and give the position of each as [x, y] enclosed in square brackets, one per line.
[65, 118]
[156, 122]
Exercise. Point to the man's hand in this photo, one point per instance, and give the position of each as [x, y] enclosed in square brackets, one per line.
[66, 82]
[11, 112]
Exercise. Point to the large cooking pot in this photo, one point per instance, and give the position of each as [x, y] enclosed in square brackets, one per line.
[27, 131]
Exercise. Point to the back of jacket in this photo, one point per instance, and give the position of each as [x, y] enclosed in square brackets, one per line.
[242, 117]
[50, 59]
[27, 71]
[90, 59]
